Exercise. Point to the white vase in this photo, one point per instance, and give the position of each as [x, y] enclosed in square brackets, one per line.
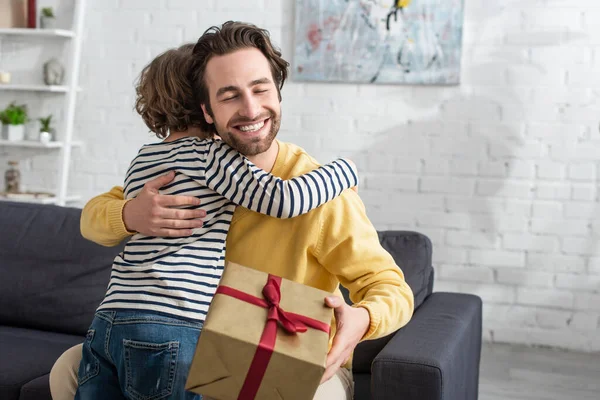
[15, 132]
[45, 137]
[47, 22]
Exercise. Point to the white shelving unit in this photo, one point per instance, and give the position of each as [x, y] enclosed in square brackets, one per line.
[34, 88]
[31, 144]
[69, 91]
[38, 199]
[37, 32]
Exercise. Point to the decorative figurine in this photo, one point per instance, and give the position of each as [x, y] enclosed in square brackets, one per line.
[12, 178]
[54, 72]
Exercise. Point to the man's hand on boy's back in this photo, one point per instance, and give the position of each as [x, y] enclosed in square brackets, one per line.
[155, 214]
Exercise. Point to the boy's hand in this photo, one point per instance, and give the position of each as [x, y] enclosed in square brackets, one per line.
[153, 214]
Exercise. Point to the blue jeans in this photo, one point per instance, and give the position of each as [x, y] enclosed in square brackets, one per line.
[137, 355]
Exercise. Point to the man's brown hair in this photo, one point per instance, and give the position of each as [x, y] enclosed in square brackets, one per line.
[229, 37]
[164, 94]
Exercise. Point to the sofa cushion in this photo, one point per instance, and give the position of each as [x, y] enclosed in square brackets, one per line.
[36, 389]
[412, 252]
[51, 278]
[28, 354]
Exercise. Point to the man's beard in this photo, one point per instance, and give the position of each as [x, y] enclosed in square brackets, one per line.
[253, 146]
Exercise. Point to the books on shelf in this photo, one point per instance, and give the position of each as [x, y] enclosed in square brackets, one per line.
[31, 13]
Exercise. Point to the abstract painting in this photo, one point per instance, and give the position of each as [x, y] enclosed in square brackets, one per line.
[378, 41]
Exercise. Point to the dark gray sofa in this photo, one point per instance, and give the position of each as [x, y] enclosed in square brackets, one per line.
[51, 280]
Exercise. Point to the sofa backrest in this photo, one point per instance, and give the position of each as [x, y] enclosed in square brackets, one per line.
[51, 278]
[412, 253]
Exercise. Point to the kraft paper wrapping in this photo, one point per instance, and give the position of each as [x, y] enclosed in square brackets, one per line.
[233, 329]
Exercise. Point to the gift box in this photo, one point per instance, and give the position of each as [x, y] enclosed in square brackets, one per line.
[264, 338]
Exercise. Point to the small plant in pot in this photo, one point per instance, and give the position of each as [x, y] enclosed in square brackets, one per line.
[13, 119]
[46, 130]
[48, 19]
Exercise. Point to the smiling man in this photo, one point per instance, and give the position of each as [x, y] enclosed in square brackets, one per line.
[237, 76]
[254, 127]
[243, 111]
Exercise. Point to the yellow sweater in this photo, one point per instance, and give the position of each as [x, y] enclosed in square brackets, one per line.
[335, 243]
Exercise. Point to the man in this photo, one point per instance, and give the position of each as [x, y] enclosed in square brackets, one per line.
[237, 76]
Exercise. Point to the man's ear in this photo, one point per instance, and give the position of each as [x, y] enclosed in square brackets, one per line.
[207, 116]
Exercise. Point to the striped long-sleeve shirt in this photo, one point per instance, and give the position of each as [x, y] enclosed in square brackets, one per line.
[179, 276]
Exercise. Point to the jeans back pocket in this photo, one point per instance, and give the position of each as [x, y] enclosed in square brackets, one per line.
[150, 369]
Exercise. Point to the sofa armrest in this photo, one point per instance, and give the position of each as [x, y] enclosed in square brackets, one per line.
[436, 355]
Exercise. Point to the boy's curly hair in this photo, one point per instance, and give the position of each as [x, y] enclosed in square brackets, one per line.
[164, 94]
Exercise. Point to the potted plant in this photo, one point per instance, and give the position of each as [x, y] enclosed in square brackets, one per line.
[46, 130]
[13, 120]
[47, 19]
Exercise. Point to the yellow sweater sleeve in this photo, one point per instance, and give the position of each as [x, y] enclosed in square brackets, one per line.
[102, 218]
[348, 247]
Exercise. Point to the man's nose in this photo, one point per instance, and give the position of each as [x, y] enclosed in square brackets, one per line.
[250, 107]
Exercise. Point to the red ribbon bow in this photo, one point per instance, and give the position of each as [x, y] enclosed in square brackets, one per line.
[291, 322]
[288, 321]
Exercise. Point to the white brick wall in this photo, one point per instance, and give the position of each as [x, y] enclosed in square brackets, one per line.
[501, 171]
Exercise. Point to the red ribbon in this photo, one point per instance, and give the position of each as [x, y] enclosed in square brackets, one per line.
[292, 323]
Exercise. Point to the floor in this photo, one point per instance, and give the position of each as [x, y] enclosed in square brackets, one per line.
[513, 372]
